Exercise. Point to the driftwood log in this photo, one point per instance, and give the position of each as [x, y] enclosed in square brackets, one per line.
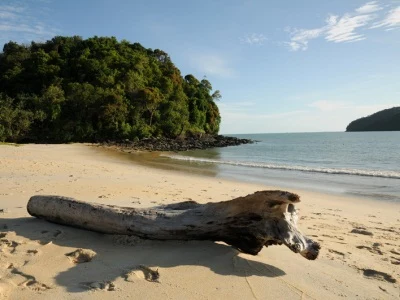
[247, 223]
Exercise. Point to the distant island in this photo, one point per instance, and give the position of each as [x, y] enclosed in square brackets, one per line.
[70, 89]
[384, 120]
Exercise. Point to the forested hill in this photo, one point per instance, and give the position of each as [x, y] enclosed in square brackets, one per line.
[384, 120]
[74, 89]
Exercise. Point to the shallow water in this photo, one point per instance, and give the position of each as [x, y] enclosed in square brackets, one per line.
[364, 164]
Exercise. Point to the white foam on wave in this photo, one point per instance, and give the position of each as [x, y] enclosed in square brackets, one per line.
[357, 172]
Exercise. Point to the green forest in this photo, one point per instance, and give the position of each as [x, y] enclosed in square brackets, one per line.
[70, 89]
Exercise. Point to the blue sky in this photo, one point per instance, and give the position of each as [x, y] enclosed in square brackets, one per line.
[281, 66]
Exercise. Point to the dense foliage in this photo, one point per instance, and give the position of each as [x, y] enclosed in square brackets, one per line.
[384, 120]
[71, 89]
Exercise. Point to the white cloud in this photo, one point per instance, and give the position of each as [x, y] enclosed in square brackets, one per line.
[296, 45]
[212, 65]
[369, 7]
[301, 37]
[345, 28]
[7, 15]
[254, 39]
[391, 21]
[36, 29]
[11, 8]
[18, 23]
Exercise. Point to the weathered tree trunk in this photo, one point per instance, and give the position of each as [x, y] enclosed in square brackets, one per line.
[247, 223]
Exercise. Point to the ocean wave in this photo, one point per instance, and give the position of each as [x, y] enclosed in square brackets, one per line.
[357, 172]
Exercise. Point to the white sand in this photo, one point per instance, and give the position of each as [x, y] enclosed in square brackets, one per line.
[33, 264]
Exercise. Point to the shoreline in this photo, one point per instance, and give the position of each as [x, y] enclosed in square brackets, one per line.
[160, 160]
[351, 264]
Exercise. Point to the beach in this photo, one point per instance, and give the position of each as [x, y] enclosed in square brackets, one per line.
[359, 237]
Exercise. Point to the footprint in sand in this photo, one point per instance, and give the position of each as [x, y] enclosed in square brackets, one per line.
[142, 272]
[149, 274]
[35, 285]
[338, 254]
[333, 236]
[8, 246]
[375, 249]
[361, 230]
[5, 265]
[395, 250]
[382, 276]
[394, 260]
[100, 285]
[81, 255]
[30, 281]
[132, 275]
[32, 251]
[390, 229]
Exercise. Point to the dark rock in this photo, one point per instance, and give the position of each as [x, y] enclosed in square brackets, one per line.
[179, 144]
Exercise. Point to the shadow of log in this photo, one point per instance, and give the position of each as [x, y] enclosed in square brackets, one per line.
[115, 259]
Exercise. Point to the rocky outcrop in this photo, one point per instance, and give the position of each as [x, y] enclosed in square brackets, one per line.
[179, 144]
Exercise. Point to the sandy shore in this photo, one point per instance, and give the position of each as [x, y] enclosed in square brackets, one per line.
[33, 264]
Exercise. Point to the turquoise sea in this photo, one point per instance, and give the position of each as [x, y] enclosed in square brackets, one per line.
[363, 164]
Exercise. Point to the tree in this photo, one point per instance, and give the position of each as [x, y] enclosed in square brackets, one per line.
[151, 99]
[74, 89]
[52, 100]
[216, 96]
[14, 120]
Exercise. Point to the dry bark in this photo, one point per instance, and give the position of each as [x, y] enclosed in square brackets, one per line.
[248, 223]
